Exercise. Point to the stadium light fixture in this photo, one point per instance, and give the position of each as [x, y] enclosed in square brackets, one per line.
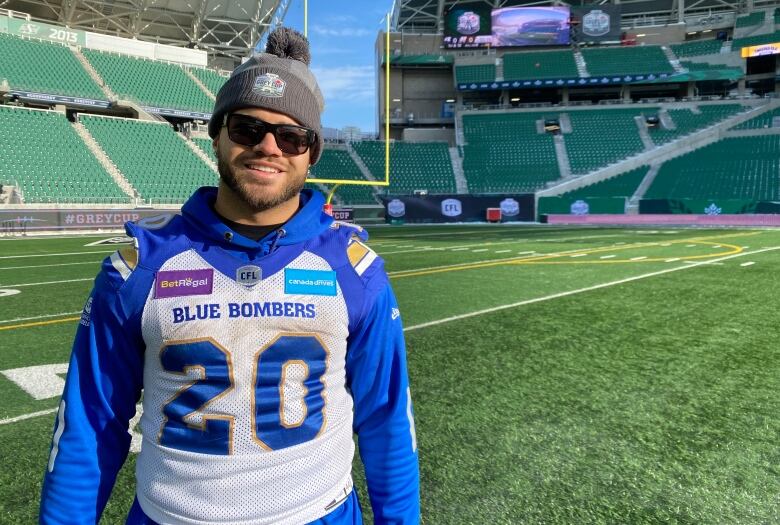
[515, 99]
[450, 100]
[396, 100]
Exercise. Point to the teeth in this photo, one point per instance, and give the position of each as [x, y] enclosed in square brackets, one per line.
[263, 168]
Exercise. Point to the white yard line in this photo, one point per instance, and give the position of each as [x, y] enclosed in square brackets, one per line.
[637, 258]
[503, 251]
[607, 257]
[748, 264]
[581, 290]
[479, 250]
[673, 259]
[46, 316]
[48, 265]
[27, 416]
[579, 255]
[47, 282]
[54, 254]
[490, 243]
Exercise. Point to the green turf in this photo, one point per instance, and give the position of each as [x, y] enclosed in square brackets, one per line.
[650, 401]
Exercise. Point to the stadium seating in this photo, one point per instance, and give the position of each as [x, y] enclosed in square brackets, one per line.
[756, 40]
[479, 73]
[697, 48]
[760, 122]
[504, 153]
[602, 137]
[732, 168]
[211, 79]
[205, 146]
[623, 185]
[42, 152]
[752, 19]
[631, 60]
[148, 82]
[550, 64]
[776, 15]
[413, 165]
[689, 122]
[45, 67]
[156, 162]
[338, 164]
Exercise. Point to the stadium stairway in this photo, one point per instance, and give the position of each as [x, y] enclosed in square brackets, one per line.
[661, 153]
[673, 60]
[104, 160]
[461, 185]
[633, 203]
[199, 152]
[359, 162]
[200, 84]
[110, 95]
[562, 156]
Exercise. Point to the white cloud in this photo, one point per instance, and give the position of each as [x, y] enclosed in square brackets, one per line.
[352, 32]
[346, 82]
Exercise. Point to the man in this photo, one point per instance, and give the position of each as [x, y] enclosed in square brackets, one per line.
[262, 333]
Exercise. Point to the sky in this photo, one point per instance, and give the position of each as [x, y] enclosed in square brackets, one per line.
[342, 35]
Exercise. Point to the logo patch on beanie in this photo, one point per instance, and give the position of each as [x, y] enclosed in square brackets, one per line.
[269, 85]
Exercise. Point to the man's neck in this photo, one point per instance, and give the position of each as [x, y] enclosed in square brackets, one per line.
[229, 206]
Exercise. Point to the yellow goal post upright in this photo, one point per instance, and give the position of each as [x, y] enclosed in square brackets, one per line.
[350, 182]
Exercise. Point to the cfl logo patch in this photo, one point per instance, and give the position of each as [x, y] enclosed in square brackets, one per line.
[249, 275]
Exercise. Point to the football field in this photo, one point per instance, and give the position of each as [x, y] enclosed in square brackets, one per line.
[559, 375]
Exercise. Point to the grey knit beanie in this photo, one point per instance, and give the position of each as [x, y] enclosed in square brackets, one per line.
[278, 80]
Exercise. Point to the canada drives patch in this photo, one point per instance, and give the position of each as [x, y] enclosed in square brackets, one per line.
[269, 85]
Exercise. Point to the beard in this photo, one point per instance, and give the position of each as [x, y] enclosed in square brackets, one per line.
[258, 199]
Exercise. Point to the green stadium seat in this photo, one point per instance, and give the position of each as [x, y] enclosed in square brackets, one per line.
[478, 73]
[752, 19]
[630, 60]
[623, 185]
[413, 165]
[602, 137]
[338, 164]
[533, 65]
[505, 154]
[45, 67]
[688, 122]
[156, 162]
[149, 82]
[696, 48]
[211, 79]
[732, 168]
[44, 155]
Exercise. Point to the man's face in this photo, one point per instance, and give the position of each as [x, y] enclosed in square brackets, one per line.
[263, 176]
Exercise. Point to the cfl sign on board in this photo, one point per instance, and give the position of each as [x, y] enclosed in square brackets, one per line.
[762, 50]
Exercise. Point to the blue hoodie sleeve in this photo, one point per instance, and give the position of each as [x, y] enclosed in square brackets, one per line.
[103, 384]
[384, 420]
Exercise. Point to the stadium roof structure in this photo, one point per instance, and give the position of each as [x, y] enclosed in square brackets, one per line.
[426, 16]
[220, 27]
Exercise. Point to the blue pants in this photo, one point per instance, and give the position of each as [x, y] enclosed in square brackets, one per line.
[348, 513]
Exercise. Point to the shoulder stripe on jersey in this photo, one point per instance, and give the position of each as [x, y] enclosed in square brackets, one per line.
[365, 262]
[120, 265]
[130, 256]
[356, 251]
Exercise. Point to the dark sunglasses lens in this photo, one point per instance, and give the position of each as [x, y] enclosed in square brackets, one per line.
[292, 140]
[245, 133]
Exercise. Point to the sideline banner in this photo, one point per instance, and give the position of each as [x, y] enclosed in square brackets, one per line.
[21, 221]
[457, 207]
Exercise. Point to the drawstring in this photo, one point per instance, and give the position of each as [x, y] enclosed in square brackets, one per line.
[279, 234]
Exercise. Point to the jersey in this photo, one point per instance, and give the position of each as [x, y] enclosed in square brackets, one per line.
[257, 362]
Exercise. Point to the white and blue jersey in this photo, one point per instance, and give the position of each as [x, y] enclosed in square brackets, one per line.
[257, 362]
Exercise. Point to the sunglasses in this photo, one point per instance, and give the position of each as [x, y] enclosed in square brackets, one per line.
[248, 131]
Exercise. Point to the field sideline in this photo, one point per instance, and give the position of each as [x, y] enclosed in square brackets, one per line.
[560, 375]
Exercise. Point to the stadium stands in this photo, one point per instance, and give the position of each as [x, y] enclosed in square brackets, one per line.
[42, 152]
[639, 60]
[148, 82]
[211, 79]
[732, 168]
[44, 67]
[696, 48]
[413, 165]
[478, 73]
[760, 122]
[205, 146]
[752, 19]
[755, 40]
[623, 185]
[338, 164]
[156, 162]
[602, 137]
[687, 121]
[504, 153]
[550, 64]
